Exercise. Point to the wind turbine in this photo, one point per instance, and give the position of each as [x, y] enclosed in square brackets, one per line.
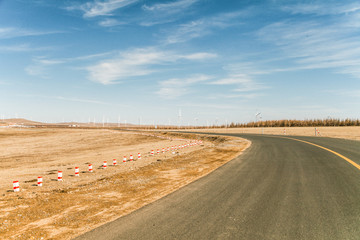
[256, 116]
[179, 118]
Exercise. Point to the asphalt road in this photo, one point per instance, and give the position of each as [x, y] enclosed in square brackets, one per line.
[278, 189]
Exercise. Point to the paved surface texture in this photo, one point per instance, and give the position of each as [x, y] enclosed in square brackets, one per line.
[278, 189]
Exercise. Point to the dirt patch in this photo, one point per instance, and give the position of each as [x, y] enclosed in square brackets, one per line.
[65, 210]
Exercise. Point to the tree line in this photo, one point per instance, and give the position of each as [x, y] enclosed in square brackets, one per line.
[328, 122]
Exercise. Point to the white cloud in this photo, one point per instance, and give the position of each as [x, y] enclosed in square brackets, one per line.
[316, 44]
[22, 48]
[11, 32]
[176, 6]
[323, 8]
[210, 106]
[343, 92]
[109, 22]
[177, 87]
[233, 79]
[199, 56]
[40, 66]
[71, 99]
[245, 96]
[137, 62]
[202, 27]
[161, 13]
[101, 8]
[91, 56]
[80, 100]
[242, 83]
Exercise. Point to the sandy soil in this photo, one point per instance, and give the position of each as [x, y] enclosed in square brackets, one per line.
[335, 132]
[63, 210]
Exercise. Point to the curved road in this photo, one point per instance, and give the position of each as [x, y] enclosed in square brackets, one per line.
[278, 189]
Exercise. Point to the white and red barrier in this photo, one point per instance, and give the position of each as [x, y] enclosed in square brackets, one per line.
[16, 186]
[39, 181]
[60, 174]
[317, 132]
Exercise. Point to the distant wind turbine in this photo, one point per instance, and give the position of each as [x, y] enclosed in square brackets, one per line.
[179, 118]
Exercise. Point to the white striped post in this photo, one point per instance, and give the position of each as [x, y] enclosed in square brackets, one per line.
[60, 176]
[16, 186]
[39, 181]
[76, 171]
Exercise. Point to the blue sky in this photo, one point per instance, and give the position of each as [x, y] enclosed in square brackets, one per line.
[141, 60]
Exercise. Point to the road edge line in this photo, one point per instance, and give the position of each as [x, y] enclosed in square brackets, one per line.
[329, 150]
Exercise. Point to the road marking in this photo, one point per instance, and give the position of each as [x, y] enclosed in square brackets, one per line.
[338, 154]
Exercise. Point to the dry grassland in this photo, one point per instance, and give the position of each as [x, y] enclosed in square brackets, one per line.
[63, 210]
[335, 132]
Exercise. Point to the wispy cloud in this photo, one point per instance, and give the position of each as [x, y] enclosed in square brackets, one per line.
[10, 32]
[71, 99]
[22, 48]
[344, 92]
[210, 106]
[175, 6]
[245, 96]
[137, 62]
[80, 100]
[323, 8]
[91, 56]
[101, 8]
[202, 27]
[316, 44]
[109, 22]
[233, 79]
[176, 87]
[40, 66]
[166, 12]
[242, 83]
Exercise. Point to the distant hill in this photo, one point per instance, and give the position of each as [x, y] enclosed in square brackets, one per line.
[21, 122]
[18, 121]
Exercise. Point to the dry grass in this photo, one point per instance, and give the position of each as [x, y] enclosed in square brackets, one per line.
[66, 210]
[335, 132]
[26, 154]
